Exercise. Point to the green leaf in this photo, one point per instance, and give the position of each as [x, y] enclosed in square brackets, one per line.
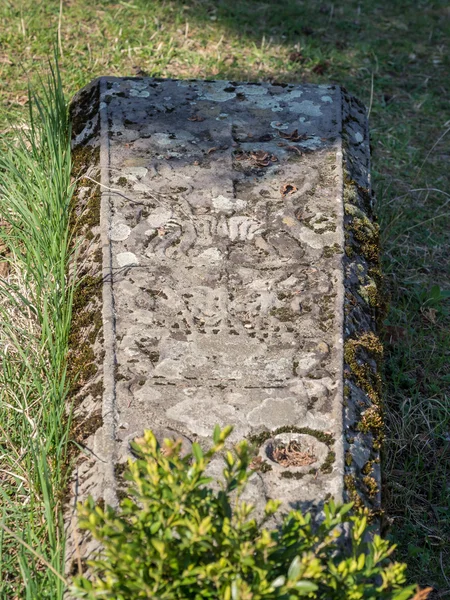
[216, 434]
[306, 587]
[159, 547]
[405, 594]
[294, 569]
[211, 543]
[197, 452]
[279, 581]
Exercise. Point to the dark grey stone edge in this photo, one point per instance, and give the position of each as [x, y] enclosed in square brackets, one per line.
[363, 312]
[93, 468]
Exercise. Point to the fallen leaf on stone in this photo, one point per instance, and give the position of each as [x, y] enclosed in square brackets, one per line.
[294, 149]
[256, 463]
[259, 155]
[262, 158]
[294, 136]
[287, 189]
[196, 118]
[293, 455]
[211, 150]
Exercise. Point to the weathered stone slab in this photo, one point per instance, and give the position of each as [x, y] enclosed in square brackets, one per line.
[240, 270]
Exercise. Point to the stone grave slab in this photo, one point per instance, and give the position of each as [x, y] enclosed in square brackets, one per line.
[240, 280]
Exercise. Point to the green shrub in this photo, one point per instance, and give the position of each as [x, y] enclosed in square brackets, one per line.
[176, 538]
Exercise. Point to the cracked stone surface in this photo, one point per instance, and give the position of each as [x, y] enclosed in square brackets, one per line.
[223, 224]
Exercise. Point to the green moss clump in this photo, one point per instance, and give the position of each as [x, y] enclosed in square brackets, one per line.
[329, 227]
[284, 295]
[96, 389]
[86, 322]
[260, 438]
[368, 236]
[350, 486]
[372, 422]
[284, 314]
[354, 350]
[330, 251]
[327, 466]
[371, 486]
[368, 468]
[83, 428]
[292, 475]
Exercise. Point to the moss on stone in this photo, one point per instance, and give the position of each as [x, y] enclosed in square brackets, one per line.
[330, 251]
[350, 486]
[356, 353]
[327, 465]
[284, 314]
[260, 438]
[371, 486]
[292, 475]
[372, 422]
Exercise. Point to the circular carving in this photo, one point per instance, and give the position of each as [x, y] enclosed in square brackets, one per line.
[296, 452]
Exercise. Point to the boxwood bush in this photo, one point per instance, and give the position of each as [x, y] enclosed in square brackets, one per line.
[175, 537]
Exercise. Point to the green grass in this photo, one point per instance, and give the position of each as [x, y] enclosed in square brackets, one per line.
[394, 56]
[35, 314]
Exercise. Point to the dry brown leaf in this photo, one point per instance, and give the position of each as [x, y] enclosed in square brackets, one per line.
[287, 189]
[297, 57]
[294, 136]
[295, 149]
[430, 314]
[256, 463]
[423, 594]
[394, 333]
[4, 269]
[293, 455]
